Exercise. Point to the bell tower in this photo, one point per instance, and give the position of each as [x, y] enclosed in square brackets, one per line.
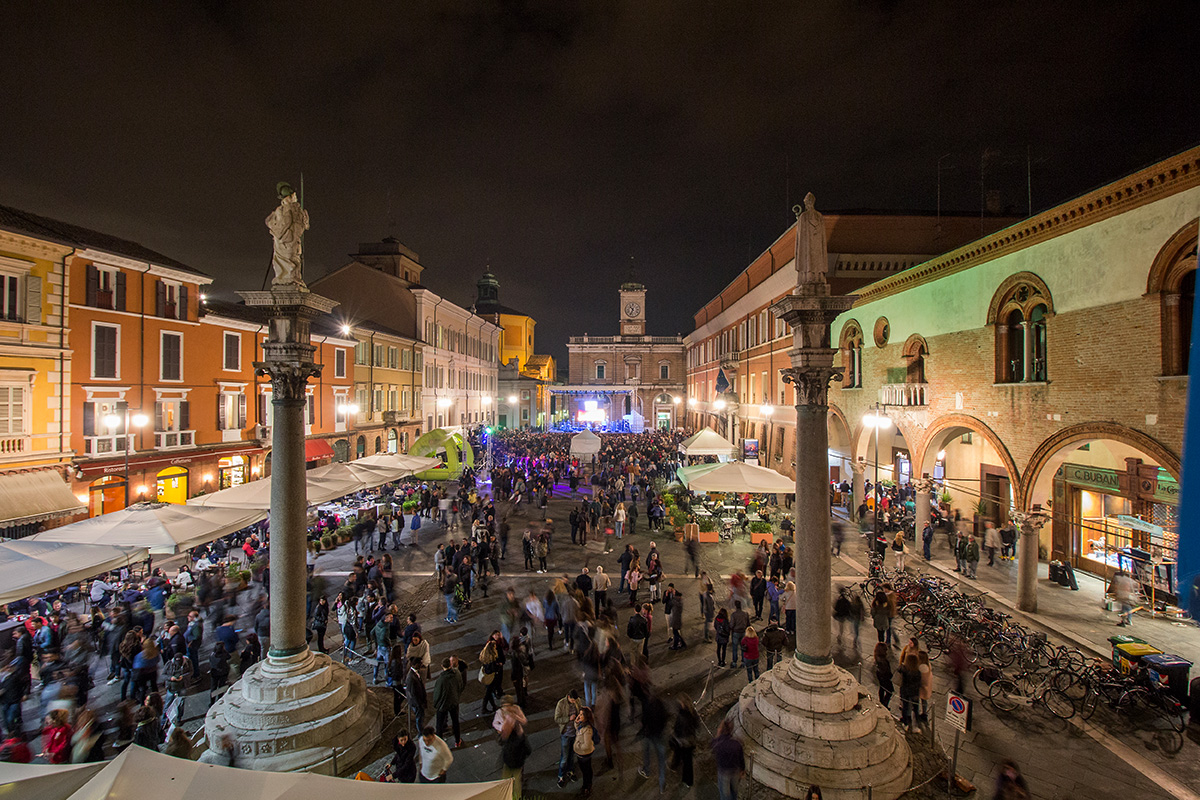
[633, 306]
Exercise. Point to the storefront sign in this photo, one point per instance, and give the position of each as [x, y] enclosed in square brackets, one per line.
[1106, 480]
[1139, 524]
[750, 451]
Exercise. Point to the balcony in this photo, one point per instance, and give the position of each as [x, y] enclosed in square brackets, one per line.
[15, 445]
[96, 446]
[903, 394]
[170, 440]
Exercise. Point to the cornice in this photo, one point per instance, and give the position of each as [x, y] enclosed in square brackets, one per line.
[1168, 177]
[33, 248]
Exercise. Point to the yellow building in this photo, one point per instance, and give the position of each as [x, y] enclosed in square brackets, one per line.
[35, 375]
[388, 382]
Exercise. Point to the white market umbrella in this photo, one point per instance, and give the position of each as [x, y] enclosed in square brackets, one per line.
[366, 477]
[257, 494]
[44, 781]
[141, 774]
[29, 567]
[164, 528]
[706, 443]
[686, 474]
[399, 465]
[585, 443]
[738, 476]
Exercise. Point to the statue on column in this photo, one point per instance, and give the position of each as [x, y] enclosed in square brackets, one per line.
[812, 254]
[287, 224]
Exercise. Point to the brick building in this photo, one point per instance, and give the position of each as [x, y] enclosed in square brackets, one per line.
[1043, 364]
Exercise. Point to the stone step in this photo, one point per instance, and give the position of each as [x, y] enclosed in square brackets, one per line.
[853, 723]
[245, 713]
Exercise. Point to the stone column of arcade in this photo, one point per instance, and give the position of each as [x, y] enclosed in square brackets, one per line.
[806, 721]
[923, 487]
[856, 486]
[295, 710]
[1029, 526]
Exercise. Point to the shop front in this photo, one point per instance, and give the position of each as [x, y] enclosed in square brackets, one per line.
[1106, 520]
[232, 471]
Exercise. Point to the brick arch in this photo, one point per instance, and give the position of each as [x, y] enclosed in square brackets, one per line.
[1172, 260]
[850, 328]
[914, 344]
[975, 425]
[861, 436]
[1087, 431]
[1011, 282]
[839, 416]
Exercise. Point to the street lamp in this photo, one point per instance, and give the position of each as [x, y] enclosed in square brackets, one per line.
[486, 402]
[346, 410]
[876, 421]
[138, 421]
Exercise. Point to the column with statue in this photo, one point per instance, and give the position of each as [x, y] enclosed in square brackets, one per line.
[295, 710]
[807, 721]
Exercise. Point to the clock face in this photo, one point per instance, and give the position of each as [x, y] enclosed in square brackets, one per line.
[632, 309]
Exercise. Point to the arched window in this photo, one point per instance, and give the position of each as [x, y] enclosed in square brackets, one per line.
[1019, 312]
[852, 343]
[915, 351]
[1173, 278]
[378, 444]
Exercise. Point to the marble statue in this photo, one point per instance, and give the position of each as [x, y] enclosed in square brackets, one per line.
[287, 225]
[812, 256]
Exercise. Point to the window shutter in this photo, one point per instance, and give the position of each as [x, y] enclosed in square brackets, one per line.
[93, 284]
[160, 299]
[184, 416]
[89, 419]
[119, 300]
[312, 410]
[241, 411]
[33, 299]
[220, 411]
[158, 416]
[181, 311]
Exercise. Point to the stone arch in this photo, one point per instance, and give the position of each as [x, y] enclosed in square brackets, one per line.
[976, 425]
[1039, 294]
[915, 344]
[838, 417]
[861, 446]
[1086, 431]
[1171, 262]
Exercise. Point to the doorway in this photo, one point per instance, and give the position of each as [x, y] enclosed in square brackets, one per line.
[171, 485]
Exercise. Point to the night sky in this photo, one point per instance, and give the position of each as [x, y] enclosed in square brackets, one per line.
[555, 140]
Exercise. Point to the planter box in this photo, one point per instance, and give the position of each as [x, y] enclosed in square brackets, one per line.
[757, 538]
[691, 531]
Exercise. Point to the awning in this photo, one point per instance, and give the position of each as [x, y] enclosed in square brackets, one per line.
[35, 496]
[28, 567]
[315, 449]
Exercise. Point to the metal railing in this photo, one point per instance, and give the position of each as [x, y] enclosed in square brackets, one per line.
[904, 394]
[166, 440]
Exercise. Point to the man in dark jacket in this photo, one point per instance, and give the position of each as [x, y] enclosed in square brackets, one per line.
[773, 640]
[739, 620]
[654, 737]
[583, 581]
[414, 691]
[758, 592]
[447, 691]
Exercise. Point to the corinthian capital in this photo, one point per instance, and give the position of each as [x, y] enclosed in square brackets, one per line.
[812, 383]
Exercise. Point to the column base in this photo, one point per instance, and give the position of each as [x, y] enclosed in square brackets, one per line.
[804, 724]
[292, 713]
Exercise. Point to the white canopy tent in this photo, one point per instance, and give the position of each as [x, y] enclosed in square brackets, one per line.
[164, 528]
[585, 443]
[257, 494]
[141, 774]
[367, 477]
[402, 462]
[706, 443]
[29, 567]
[686, 474]
[44, 781]
[738, 476]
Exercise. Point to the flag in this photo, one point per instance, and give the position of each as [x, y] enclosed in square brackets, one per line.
[722, 384]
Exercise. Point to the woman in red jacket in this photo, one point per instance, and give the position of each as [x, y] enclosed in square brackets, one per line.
[750, 653]
[56, 737]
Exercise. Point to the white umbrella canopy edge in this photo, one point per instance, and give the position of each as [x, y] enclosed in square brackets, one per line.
[738, 476]
[257, 494]
[142, 774]
[164, 528]
[44, 781]
[30, 567]
[398, 461]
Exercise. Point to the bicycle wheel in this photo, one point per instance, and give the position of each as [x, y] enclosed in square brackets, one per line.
[1087, 706]
[983, 680]
[1059, 703]
[1004, 695]
[1002, 653]
[1172, 709]
[1069, 684]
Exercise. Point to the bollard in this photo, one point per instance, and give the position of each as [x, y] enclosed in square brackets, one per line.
[870, 791]
[333, 752]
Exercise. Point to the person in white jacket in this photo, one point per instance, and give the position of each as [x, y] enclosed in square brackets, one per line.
[600, 586]
[435, 756]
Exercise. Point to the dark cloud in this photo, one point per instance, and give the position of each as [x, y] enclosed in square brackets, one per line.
[555, 140]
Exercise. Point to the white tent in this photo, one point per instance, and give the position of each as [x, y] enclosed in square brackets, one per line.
[738, 476]
[585, 443]
[367, 477]
[686, 475]
[141, 774]
[705, 443]
[44, 781]
[403, 463]
[257, 494]
[162, 527]
[29, 567]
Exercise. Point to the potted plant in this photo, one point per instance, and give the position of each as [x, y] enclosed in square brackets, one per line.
[179, 604]
[314, 545]
[327, 542]
[979, 509]
[944, 501]
[707, 529]
[761, 531]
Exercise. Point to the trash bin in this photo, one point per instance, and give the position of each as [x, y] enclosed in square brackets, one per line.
[1055, 571]
[1119, 639]
[1129, 655]
[1170, 672]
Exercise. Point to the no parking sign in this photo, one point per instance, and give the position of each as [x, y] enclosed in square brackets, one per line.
[958, 712]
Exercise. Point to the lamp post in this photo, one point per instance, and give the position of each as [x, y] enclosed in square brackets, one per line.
[766, 409]
[138, 421]
[876, 420]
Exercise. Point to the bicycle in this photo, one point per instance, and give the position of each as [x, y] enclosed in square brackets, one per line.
[1030, 689]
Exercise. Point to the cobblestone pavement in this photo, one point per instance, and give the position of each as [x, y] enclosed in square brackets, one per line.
[1058, 759]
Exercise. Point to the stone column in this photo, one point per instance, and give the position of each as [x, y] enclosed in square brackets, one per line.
[295, 710]
[856, 486]
[1029, 527]
[806, 721]
[924, 488]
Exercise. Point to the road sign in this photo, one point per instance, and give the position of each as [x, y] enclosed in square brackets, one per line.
[958, 712]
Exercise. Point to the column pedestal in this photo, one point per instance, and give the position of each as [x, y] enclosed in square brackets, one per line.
[857, 489]
[1029, 526]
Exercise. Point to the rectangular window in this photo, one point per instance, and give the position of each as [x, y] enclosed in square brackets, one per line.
[339, 363]
[10, 304]
[664, 372]
[392, 397]
[360, 399]
[105, 288]
[310, 406]
[233, 352]
[171, 300]
[172, 357]
[12, 410]
[231, 411]
[393, 358]
[378, 355]
[105, 339]
[171, 415]
[599, 372]
[377, 397]
[361, 351]
[406, 359]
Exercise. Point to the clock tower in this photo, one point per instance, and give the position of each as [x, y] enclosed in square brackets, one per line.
[633, 309]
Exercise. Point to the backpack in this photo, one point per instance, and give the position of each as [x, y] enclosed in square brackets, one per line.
[636, 629]
[416, 522]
